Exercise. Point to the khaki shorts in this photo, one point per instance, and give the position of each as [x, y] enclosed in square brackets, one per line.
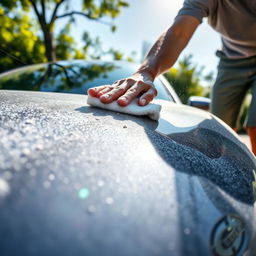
[235, 78]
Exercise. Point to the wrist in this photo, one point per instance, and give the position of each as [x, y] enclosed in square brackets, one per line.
[145, 74]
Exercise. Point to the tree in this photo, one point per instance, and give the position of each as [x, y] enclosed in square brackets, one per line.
[66, 47]
[47, 12]
[19, 42]
[186, 79]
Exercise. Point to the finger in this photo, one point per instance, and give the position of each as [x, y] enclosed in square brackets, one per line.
[118, 91]
[147, 97]
[103, 91]
[93, 91]
[132, 93]
[112, 95]
[106, 88]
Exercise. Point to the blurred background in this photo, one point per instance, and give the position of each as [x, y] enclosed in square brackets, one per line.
[39, 31]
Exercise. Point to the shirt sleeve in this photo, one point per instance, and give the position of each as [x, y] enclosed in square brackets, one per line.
[196, 8]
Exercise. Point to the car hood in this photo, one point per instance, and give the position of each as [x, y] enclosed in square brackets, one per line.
[77, 179]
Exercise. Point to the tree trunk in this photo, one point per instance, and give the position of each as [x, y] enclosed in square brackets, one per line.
[49, 45]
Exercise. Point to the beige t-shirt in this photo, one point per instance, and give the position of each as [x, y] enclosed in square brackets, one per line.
[235, 20]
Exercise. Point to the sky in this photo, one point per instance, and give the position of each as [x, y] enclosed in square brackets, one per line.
[145, 20]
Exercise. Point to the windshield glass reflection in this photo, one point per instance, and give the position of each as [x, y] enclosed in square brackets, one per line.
[71, 77]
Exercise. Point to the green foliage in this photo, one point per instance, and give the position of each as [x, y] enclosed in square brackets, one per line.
[25, 41]
[117, 55]
[66, 46]
[9, 5]
[186, 79]
[98, 9]
[92, 47]
[113, 28]
[19, 42]
[132, 56]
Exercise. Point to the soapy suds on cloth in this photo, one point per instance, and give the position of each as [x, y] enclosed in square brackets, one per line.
[151, 110]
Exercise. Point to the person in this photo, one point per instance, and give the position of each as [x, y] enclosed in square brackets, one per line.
[235, 20]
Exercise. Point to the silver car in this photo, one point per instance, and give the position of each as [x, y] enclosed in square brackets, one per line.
[77, 180]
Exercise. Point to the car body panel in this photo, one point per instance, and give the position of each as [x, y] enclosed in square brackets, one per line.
[80, 180]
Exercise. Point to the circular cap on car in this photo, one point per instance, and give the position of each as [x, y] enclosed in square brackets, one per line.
[228, 236]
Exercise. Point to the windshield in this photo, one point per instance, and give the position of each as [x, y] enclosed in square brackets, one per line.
[72, 77]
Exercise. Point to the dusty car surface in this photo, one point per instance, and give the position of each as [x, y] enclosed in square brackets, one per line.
[77, 180]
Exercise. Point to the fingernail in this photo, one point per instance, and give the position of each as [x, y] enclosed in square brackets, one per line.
[106, 96]
[143, 102]
[123, 99]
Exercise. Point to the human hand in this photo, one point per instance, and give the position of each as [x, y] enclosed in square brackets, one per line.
[125, 90]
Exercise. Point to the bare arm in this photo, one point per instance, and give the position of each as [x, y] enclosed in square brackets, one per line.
[160, 58]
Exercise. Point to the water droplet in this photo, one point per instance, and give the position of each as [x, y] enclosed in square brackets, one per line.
[30, 121]
[83, 193]
[39, 146]
[100, 183]
[4, 188]
[25, 152]
[109, 200]
[91, 209]
[51, 177]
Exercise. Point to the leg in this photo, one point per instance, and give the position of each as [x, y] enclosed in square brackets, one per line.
[251, 121]
[229, 91]
[252, 133]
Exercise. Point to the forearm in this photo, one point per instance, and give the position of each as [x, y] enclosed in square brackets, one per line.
[168, 47]
[163, 54]
[160, 58]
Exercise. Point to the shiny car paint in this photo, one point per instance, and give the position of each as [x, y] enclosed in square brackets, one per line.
[77, 180]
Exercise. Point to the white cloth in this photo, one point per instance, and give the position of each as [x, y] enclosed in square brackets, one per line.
[151, 110]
